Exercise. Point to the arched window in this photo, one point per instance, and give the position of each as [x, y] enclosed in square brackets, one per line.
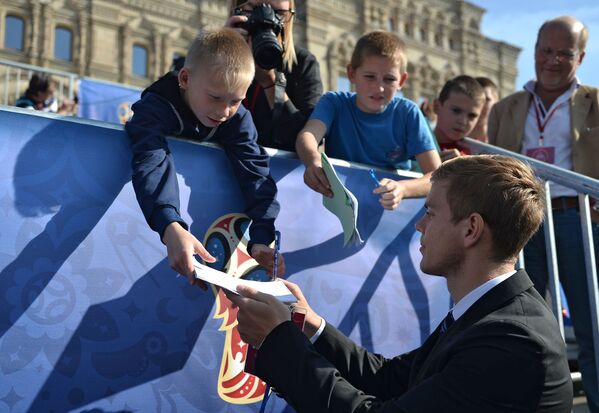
[14, 33]
[140, 60]
[438, 39]
[63, 44]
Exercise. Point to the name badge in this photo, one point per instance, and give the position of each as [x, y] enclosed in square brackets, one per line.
[542, 153]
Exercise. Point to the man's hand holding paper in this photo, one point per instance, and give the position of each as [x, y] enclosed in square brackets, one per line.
[260, 313]
[220, 279]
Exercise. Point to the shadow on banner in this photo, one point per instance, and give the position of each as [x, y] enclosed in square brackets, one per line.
[93, 319]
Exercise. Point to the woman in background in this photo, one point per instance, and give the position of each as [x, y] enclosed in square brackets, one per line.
[279, 120]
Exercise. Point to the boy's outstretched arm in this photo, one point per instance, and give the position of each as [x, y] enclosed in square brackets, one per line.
[392, 192]
[155, 181]
[250, 164]
[306, 146]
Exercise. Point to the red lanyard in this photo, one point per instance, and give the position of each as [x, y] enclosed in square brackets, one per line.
[541, 126]
[254, 97]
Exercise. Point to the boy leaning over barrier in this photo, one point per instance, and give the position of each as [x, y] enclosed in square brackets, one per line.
[202, 102]
[372, 125]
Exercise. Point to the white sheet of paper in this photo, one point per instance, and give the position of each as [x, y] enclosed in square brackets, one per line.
[221, 279]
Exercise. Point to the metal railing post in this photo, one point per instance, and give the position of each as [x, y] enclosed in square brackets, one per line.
[71, 87]
[18, 84]
[552, 268]
[6, 83]
[591, 270]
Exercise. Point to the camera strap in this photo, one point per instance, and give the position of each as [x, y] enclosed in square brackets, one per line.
[279, 101]
[279, 97]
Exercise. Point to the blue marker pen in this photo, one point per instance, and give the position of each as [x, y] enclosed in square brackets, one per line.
[275, 270]
[375, 178]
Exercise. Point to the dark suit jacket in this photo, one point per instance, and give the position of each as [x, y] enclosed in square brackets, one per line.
[505, 354]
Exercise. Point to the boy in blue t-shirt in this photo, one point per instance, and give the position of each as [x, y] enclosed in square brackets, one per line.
[372, 125]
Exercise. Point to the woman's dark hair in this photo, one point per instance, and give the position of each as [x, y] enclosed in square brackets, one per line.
[39, 82]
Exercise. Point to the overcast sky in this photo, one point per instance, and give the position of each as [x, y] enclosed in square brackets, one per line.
[517, 21]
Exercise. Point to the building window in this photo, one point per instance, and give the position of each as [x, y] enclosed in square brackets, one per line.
[452, 44]
[63, 43]
[140, 60]
[14, 33]
[392, 24]
[439, 39]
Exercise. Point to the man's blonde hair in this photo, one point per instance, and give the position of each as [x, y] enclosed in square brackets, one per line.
[224, 54]
[381, 44]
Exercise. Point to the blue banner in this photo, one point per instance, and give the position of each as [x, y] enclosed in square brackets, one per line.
[93, 319]
[105, 101]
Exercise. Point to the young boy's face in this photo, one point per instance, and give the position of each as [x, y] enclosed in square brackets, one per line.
[457, 116]
[376, 80]
[208, 98]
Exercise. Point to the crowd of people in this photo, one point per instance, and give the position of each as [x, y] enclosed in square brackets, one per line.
[499, 349]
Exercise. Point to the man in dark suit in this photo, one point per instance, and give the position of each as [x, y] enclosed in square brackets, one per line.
[498, 350]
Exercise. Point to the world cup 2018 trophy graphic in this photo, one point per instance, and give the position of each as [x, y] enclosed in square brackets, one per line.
[226, 240]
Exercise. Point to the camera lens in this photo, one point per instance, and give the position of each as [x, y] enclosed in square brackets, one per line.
[264, 26]
[267, 51]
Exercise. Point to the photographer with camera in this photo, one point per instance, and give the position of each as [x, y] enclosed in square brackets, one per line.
[287, 83]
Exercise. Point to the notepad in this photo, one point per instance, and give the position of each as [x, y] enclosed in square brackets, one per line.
[224, 280]
[343, 204]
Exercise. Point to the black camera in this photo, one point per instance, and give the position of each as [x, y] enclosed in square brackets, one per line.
[264, 26]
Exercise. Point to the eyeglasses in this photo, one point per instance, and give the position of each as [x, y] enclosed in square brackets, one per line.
[283, 15]
[560, 55]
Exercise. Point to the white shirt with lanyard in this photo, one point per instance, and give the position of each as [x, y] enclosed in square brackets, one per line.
[547, 133]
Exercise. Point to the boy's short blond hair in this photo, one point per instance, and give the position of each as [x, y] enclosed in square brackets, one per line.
[383, 44]
[223, 54]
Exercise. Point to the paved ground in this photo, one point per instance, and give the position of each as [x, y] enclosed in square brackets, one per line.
[580, 405]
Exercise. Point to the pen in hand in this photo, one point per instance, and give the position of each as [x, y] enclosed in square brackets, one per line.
[275, 270]
[375, 178]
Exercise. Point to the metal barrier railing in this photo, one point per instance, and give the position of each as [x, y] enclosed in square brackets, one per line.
[17, 75]
[585, 187]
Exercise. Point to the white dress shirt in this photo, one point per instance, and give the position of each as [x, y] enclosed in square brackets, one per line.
[556, 134]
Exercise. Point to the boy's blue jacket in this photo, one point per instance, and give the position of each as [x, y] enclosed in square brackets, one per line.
[160, 112]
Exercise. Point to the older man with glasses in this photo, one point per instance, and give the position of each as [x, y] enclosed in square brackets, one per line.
[556, 119]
